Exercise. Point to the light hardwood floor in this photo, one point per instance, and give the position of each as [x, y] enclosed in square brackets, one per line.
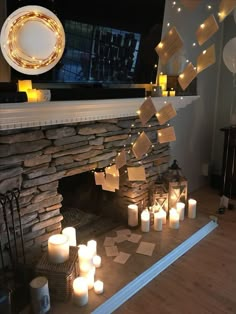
[201, 281]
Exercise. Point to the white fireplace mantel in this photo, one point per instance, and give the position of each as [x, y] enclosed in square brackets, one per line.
[26, 115]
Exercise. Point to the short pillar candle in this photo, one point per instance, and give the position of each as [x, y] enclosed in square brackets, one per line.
[97, 261]
[180, 207]
[145, 220]
[58, 248]
[98, 287]
[157, 221]
[132, 215]
[192, 208]
[80, 291]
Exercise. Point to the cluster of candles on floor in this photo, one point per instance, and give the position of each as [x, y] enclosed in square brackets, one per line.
[88, 261]
[176, 214]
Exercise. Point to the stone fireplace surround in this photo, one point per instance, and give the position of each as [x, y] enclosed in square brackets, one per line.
[42, 143]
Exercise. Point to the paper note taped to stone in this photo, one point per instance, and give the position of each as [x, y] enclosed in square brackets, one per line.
[99, 178]
[166, 113]
[147, 110]
[121, 159]
[136, 173]
[141, 145]
[166, 135]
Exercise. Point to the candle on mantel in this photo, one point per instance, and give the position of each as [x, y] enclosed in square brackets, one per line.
[80, 291]
[58, 248]
[132, 215]
[97, 261]
[173, 219]
[98, 287]
[71, 233]
[158, 221]
[172, 92]
[192, 208]
[145, 220]
[180, 207]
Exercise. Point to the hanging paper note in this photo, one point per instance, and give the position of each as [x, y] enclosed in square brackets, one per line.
[147, 110]
[166, 135]
[111, 183]
[206, 58]
[99, 178]
[169, 45]
[166, 113]
[121, 159]
[136, 173]
[186, 77]
[141, 146]
[225, 8]
[207, 29]
[112, 170]
[190, 4]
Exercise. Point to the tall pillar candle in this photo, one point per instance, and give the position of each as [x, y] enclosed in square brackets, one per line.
[58, 248]
[180, 207]
[71, 233]
[80, 291]
[157, 221]
[192, 208]
[132, 215]
[145, 220]
[173, 219]
[92, 246]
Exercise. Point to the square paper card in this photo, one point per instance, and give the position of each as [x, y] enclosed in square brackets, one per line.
[145, 248]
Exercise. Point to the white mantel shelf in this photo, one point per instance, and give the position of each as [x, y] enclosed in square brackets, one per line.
[27, 115]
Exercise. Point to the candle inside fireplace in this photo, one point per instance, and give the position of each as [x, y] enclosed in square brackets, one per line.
[80, 291]
[132, 215]
[71, 233]
[192, 206]
[145, 220]
[58, 248]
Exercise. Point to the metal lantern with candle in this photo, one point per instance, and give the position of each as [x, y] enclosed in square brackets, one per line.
[176, 184]
[159, 195]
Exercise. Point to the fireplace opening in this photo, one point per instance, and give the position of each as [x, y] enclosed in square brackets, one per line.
[86, 206]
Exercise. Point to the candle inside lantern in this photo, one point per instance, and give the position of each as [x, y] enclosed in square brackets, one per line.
[71, 233]
[173, 219]
[172, 92]
[98, 287]
[58, 248]
[180, 207]
[132, 215]
[158, 221]
[80, 291]
[192, 206]
[92, 246]
[145, 220]
[97, 261]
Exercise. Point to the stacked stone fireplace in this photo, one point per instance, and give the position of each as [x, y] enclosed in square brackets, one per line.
[36, 159]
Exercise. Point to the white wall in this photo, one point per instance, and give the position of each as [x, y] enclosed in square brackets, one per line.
[197, 125]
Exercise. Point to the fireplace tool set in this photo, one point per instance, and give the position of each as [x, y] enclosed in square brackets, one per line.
[12, 253]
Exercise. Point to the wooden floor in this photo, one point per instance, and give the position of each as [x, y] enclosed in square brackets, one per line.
[202, 281]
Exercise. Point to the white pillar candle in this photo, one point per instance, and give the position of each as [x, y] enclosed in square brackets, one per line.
[92, 245]
[180, 207]
[58, 248]
[97, 261]
[98, 287]
[173, 219]
[71, 233]
[163, 214]
[132, 215]
[80, 291]
[157, 221]
[145, 220]
[192, 208]
[85, 258]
